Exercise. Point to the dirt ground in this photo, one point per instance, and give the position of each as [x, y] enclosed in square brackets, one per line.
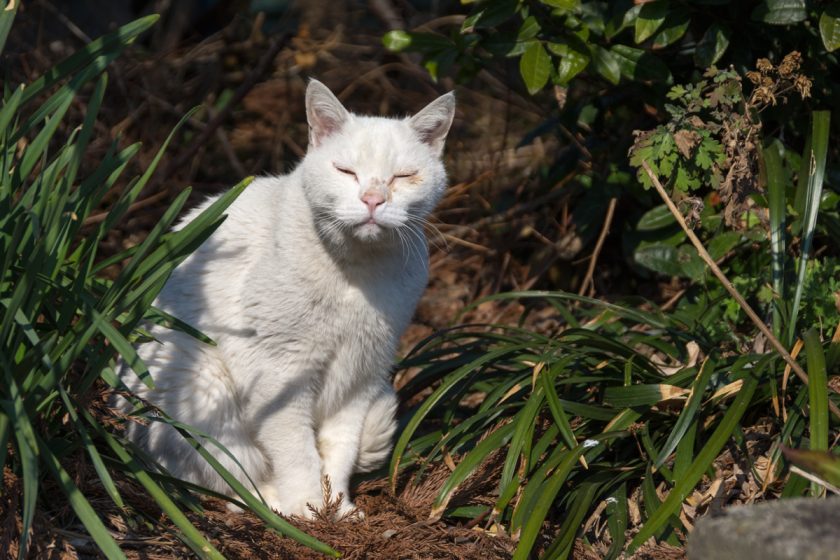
[498, 228]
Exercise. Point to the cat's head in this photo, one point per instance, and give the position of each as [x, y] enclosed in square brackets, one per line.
[367, 178]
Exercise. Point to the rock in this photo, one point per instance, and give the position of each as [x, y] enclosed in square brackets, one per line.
[795, 529]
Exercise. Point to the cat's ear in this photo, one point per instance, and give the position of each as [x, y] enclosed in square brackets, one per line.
[433, 122]
[324, 112]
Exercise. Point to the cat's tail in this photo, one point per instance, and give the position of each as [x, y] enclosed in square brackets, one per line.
[378, 430]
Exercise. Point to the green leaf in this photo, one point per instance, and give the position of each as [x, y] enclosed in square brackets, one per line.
[721, 244]
[712, 45]
[489, 14]
[535, 67]
[637, 64]
[673, 29]
[567, 5]
[467, 465]
[605, 63]
[830, 27]
[530, 28]
[574, 58]
[650, 18]
[660, 258]
[396, 40]
[656, 218]
[781, 12]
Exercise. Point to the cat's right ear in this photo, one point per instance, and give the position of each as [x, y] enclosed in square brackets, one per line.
[433, 122]
[324, 112]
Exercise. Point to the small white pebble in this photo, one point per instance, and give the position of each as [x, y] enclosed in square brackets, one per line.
[389, 533]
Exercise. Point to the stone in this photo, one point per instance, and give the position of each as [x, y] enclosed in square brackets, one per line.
[794, 529]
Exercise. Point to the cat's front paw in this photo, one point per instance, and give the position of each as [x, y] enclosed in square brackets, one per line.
[292, 504]
[347, 511]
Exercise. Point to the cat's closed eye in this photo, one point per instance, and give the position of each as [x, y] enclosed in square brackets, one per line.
[345, 170]
[406, 175]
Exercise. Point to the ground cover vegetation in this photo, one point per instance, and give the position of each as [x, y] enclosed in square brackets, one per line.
[634, 317]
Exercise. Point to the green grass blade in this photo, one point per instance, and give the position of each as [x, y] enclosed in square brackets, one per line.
[468, 464]
[10, 108]
[27, 449]
[585, 494]
[93, 452]
[7, 16]
[524, 422]
[35, 150]
[776, 183]
[124, 347]
[698, 388]
[5, 435]
[557, 411]
[816, 172]
[817, 395]
[617, 519]
[85, 512]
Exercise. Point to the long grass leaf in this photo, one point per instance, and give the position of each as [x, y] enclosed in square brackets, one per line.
[27, 450]
[85, 512]
[468, 464]
[776, 182]
[698, 388]
[524, 423]
[7, 16]
[818, 395]
[10, 108]
[816, 172]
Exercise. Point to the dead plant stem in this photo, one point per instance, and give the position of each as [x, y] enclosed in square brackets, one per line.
[588, 283]
[729, 287]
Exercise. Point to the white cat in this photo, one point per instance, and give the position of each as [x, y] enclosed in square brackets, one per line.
[306, 289]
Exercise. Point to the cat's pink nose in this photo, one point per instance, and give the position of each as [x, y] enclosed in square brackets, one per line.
[372, 199]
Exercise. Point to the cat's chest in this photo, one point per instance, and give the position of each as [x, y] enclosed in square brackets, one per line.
[324, 310]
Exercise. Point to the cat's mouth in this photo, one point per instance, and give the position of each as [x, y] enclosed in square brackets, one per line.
[369, 229]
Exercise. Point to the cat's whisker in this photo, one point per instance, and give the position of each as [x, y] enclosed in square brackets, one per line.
[416, 242]
[433, 240]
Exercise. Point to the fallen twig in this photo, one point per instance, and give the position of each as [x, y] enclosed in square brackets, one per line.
[729, 287]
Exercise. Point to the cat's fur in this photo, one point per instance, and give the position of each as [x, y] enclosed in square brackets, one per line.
[306, 289]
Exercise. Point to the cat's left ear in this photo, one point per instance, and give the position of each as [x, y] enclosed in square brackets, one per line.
[324, 112]
[433, 122]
